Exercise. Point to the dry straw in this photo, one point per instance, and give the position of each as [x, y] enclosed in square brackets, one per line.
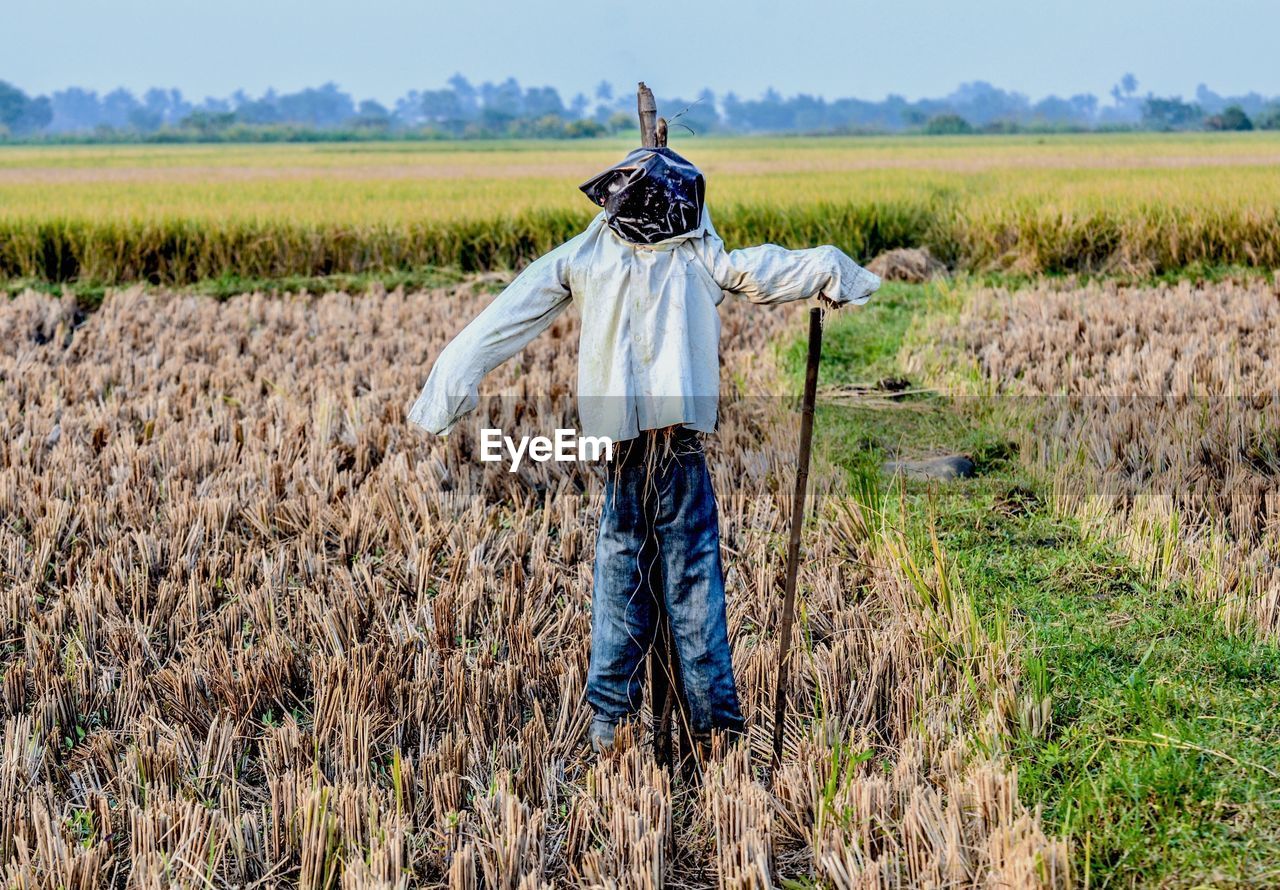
[1158, 420]
[258, 631]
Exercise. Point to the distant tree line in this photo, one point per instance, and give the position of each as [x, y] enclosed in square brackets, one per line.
[462, 110]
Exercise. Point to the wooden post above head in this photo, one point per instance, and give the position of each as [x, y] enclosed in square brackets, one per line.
[648, 111]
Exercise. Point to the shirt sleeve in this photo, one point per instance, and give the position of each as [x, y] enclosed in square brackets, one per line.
[521, 312]
[771, 274]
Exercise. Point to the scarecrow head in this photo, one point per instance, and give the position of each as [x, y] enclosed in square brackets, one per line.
[651, 195]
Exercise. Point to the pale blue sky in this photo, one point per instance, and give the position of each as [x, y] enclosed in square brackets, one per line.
[382, 48]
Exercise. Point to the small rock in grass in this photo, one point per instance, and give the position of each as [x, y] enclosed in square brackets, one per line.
[942, 469]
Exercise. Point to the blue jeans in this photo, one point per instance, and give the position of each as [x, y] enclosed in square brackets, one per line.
[660, 537]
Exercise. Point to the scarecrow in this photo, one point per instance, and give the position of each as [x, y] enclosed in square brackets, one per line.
[647, 276]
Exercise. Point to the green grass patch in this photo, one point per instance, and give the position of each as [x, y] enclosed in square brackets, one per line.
[869, 422]
[89, 294]
[1161, 757]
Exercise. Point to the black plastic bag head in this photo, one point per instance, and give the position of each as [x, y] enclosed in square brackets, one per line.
[653, 194]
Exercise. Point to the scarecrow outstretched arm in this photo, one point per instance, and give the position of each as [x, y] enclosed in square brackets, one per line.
[517, 315]
[771, 274]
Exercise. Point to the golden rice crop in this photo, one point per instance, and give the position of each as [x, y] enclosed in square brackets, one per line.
[176, 214]
[260, 632]
[1159, 417]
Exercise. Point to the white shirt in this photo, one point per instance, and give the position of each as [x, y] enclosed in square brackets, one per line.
[648, 350]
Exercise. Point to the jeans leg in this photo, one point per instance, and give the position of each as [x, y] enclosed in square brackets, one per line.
[693, 584]
[622, 602]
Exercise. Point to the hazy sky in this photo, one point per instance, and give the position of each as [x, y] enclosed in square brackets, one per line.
[382, 48]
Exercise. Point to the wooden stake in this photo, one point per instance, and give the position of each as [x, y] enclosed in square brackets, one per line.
[666, 686]
[648, 110]
[660, 697]
[797, 520]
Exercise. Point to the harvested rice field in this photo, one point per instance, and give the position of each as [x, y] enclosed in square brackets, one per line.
[1156, 410]
[260, 632]
[1131, 543]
